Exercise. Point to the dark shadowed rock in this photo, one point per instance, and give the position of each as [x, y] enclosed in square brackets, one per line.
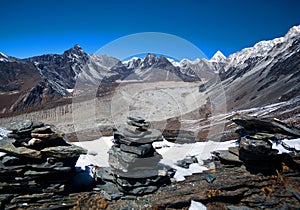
[19, 135]
[139, 190]
[255, 146]
[10, 160]
[138, 182]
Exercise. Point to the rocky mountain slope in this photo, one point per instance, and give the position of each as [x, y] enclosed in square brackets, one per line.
[265, 73]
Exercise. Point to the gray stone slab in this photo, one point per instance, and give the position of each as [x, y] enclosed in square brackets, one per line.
[140, 150]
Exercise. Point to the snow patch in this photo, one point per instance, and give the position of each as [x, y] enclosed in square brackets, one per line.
[101, 146]
[171, 153]
[70, 90]
[197, 206]
[293, 143]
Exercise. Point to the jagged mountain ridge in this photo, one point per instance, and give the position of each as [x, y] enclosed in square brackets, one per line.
[53, 76]
[266, 64]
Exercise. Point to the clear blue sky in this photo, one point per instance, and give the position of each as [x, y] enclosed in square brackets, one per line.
[34, 27]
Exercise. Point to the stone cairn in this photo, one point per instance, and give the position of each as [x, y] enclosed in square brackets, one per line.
[255, 146]
[36, 159]
[135, 167]
[255, 150]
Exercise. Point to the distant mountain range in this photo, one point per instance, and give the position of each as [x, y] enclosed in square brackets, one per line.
[265, 73]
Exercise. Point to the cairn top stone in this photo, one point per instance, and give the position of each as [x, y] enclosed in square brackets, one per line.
[149, 137]
[21, 126]
[136, 119]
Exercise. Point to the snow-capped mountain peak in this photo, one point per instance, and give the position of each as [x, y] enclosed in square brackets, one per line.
[134, 62]
[3, 57]
[294, 31]
[132, 59]
[218, 57]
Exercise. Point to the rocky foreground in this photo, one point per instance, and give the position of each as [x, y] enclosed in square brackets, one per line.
[38, 171]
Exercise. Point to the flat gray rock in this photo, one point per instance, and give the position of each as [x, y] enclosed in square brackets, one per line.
[64, 151]
[7, 146]
[140, 150]
[20, 125]
[136, 119]
[44, 129]
[139, 190]
[152, 135]
[111, 189]
[228, 157]
[105, 174]
[128, 182]
[142, 172]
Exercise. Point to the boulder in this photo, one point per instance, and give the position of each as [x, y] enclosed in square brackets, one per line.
[265, 125]
[255, 146]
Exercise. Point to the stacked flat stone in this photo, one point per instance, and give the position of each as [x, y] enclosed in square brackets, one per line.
[35, 158]
[134, 161]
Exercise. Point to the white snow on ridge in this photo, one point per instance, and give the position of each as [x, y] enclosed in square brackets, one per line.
[3, 55]
[174, 63]
[131, 60]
